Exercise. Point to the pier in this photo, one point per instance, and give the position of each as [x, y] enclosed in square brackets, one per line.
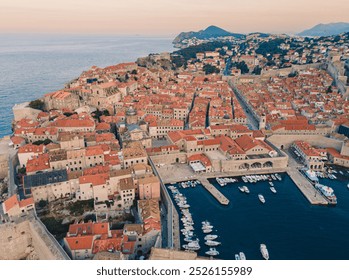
[214, 192]
[308, 190]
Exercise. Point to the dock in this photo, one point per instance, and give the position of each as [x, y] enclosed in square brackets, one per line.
[308, 190]
[214, 192]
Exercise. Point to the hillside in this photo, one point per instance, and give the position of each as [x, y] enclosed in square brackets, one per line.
[210, 32]
[326, 29]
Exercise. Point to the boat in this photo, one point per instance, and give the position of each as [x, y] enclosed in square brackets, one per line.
[327, 192]
[348, 186]
[192, 247]
[237, 257]
[212, 243]
[242, 256]
[273, 189]
[206, 227]
[210, 237]
[273, 177]
[212, 252]
[261, 198]
[278, 177]
[207, 230]
[246, 189]
[241, 189]
[244, 179]
[189, 239]
[271, 184]
[264, 251]
[311, 175]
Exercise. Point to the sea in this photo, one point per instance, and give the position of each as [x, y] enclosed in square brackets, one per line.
[287, 223]
[32, 65]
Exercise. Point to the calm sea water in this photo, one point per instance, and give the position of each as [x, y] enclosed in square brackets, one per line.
[31, 66]
[287, 223]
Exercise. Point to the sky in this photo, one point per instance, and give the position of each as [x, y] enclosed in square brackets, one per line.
[166, 17]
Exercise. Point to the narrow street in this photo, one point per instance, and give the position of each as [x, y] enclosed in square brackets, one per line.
[251, 121]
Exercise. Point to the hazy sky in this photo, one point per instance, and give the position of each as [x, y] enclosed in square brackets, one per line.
[167, 17]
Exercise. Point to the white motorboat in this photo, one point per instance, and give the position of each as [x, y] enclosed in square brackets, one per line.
[207, 227]
[210, 237]
[207, 230]
[242, 256]
[241, 189]
[190, 239]
[212, 243]
[191, 247]
[264, 251]
[212, 252]
[327, 192]
[261, 198]
[311, 176]
[273, 189]
[246, 189]
[237, 257]
[271, 184]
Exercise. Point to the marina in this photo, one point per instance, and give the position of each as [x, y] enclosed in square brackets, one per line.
[246, 223]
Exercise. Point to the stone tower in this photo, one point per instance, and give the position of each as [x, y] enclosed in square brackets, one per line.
[262, 121]
[131, 115]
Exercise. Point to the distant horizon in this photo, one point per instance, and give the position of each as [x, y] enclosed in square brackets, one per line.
[160, 35]
[166, 17]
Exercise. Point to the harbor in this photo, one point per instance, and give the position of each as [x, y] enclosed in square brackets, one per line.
[307, 189]
[286, 223]
[214, 191]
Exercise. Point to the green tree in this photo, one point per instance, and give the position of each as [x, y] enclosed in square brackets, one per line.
[45, 142]
[37, 104]
[257, 70]
[243, 67]
[42, 203]
[210, 69]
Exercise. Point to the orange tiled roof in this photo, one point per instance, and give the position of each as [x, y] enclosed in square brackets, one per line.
[80, 242]
[11, 202]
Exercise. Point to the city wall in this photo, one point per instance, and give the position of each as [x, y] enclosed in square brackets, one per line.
[315, 140]
[28, 239]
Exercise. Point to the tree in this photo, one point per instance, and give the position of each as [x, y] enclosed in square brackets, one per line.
[210, 69]
[45, 142]
[37, 104]
[293, 74]
[257, 70]
[42, 203]
[243, 67]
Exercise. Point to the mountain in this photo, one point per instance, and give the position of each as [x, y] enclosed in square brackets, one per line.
[210, 32]
[326, 29]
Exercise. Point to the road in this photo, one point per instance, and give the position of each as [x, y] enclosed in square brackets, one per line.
[251, 121]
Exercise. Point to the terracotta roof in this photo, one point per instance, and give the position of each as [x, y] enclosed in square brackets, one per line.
[26, 202]
[11, 202]
[200, 157]
[95, 180]
[31, 148]
[80, 242]
[126, 184]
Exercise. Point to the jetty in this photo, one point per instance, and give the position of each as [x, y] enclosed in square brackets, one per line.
[214, 192]
[308, 190]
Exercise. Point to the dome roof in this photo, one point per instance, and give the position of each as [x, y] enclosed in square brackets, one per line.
[131, 111]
